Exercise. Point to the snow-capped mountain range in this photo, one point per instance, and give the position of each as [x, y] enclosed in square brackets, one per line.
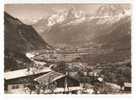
[105, 14]
[73, 17]
[76, 28]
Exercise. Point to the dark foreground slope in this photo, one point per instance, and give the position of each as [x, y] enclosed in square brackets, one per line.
[19, 39]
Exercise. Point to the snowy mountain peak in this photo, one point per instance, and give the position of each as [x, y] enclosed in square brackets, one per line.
[65, 16]
[111, 10]
[111, 13]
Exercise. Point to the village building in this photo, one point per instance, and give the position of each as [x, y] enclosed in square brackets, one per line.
[15, 81]
[62, 83]
[127, 86]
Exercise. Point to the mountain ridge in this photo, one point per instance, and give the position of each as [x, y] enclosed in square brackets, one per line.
[19, 38]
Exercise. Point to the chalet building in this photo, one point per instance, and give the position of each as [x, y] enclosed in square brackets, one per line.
[15, 81]
[127, 86]
[62, 83]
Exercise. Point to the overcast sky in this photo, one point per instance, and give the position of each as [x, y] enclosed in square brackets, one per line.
[36, 11]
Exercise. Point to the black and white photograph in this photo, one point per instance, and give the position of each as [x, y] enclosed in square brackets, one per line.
[67, 48]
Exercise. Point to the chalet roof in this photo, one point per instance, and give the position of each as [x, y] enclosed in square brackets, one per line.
[49, 77]
[126, 84]
[23, 72]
